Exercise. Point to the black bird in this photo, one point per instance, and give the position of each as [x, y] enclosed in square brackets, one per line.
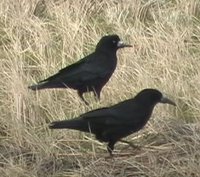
[113, 123]
[90, 73]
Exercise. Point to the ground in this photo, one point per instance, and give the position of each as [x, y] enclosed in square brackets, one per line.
[39, 37]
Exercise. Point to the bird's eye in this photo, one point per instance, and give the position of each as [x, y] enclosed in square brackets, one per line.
[114, 42]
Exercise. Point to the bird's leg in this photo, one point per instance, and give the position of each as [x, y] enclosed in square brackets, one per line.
[110, 147]
[130, 144]
[80, 94]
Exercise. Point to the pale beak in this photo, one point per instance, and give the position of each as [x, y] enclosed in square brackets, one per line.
[166, 100]
[121, 44]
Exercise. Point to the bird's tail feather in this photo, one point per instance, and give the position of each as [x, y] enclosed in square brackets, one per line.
[68, 124]
[38, 86]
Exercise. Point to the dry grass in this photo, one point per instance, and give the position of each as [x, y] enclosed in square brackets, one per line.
[39, 37]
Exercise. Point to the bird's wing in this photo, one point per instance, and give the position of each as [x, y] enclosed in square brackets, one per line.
[84, 70]
[65, 71]
[108, 117]
[126, 113]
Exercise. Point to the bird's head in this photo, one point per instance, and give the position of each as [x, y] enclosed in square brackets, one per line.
[111, 42]
[153, 96]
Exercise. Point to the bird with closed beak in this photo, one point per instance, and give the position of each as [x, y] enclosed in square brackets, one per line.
[111, 124]
[91, 73]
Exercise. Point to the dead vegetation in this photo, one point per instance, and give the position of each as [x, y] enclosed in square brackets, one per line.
[39, 37]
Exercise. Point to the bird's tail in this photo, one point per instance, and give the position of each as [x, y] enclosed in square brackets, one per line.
[69, 124]
[38, 86]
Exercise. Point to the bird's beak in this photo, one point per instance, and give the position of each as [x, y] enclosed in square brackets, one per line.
[166, 100]
[121, 44]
